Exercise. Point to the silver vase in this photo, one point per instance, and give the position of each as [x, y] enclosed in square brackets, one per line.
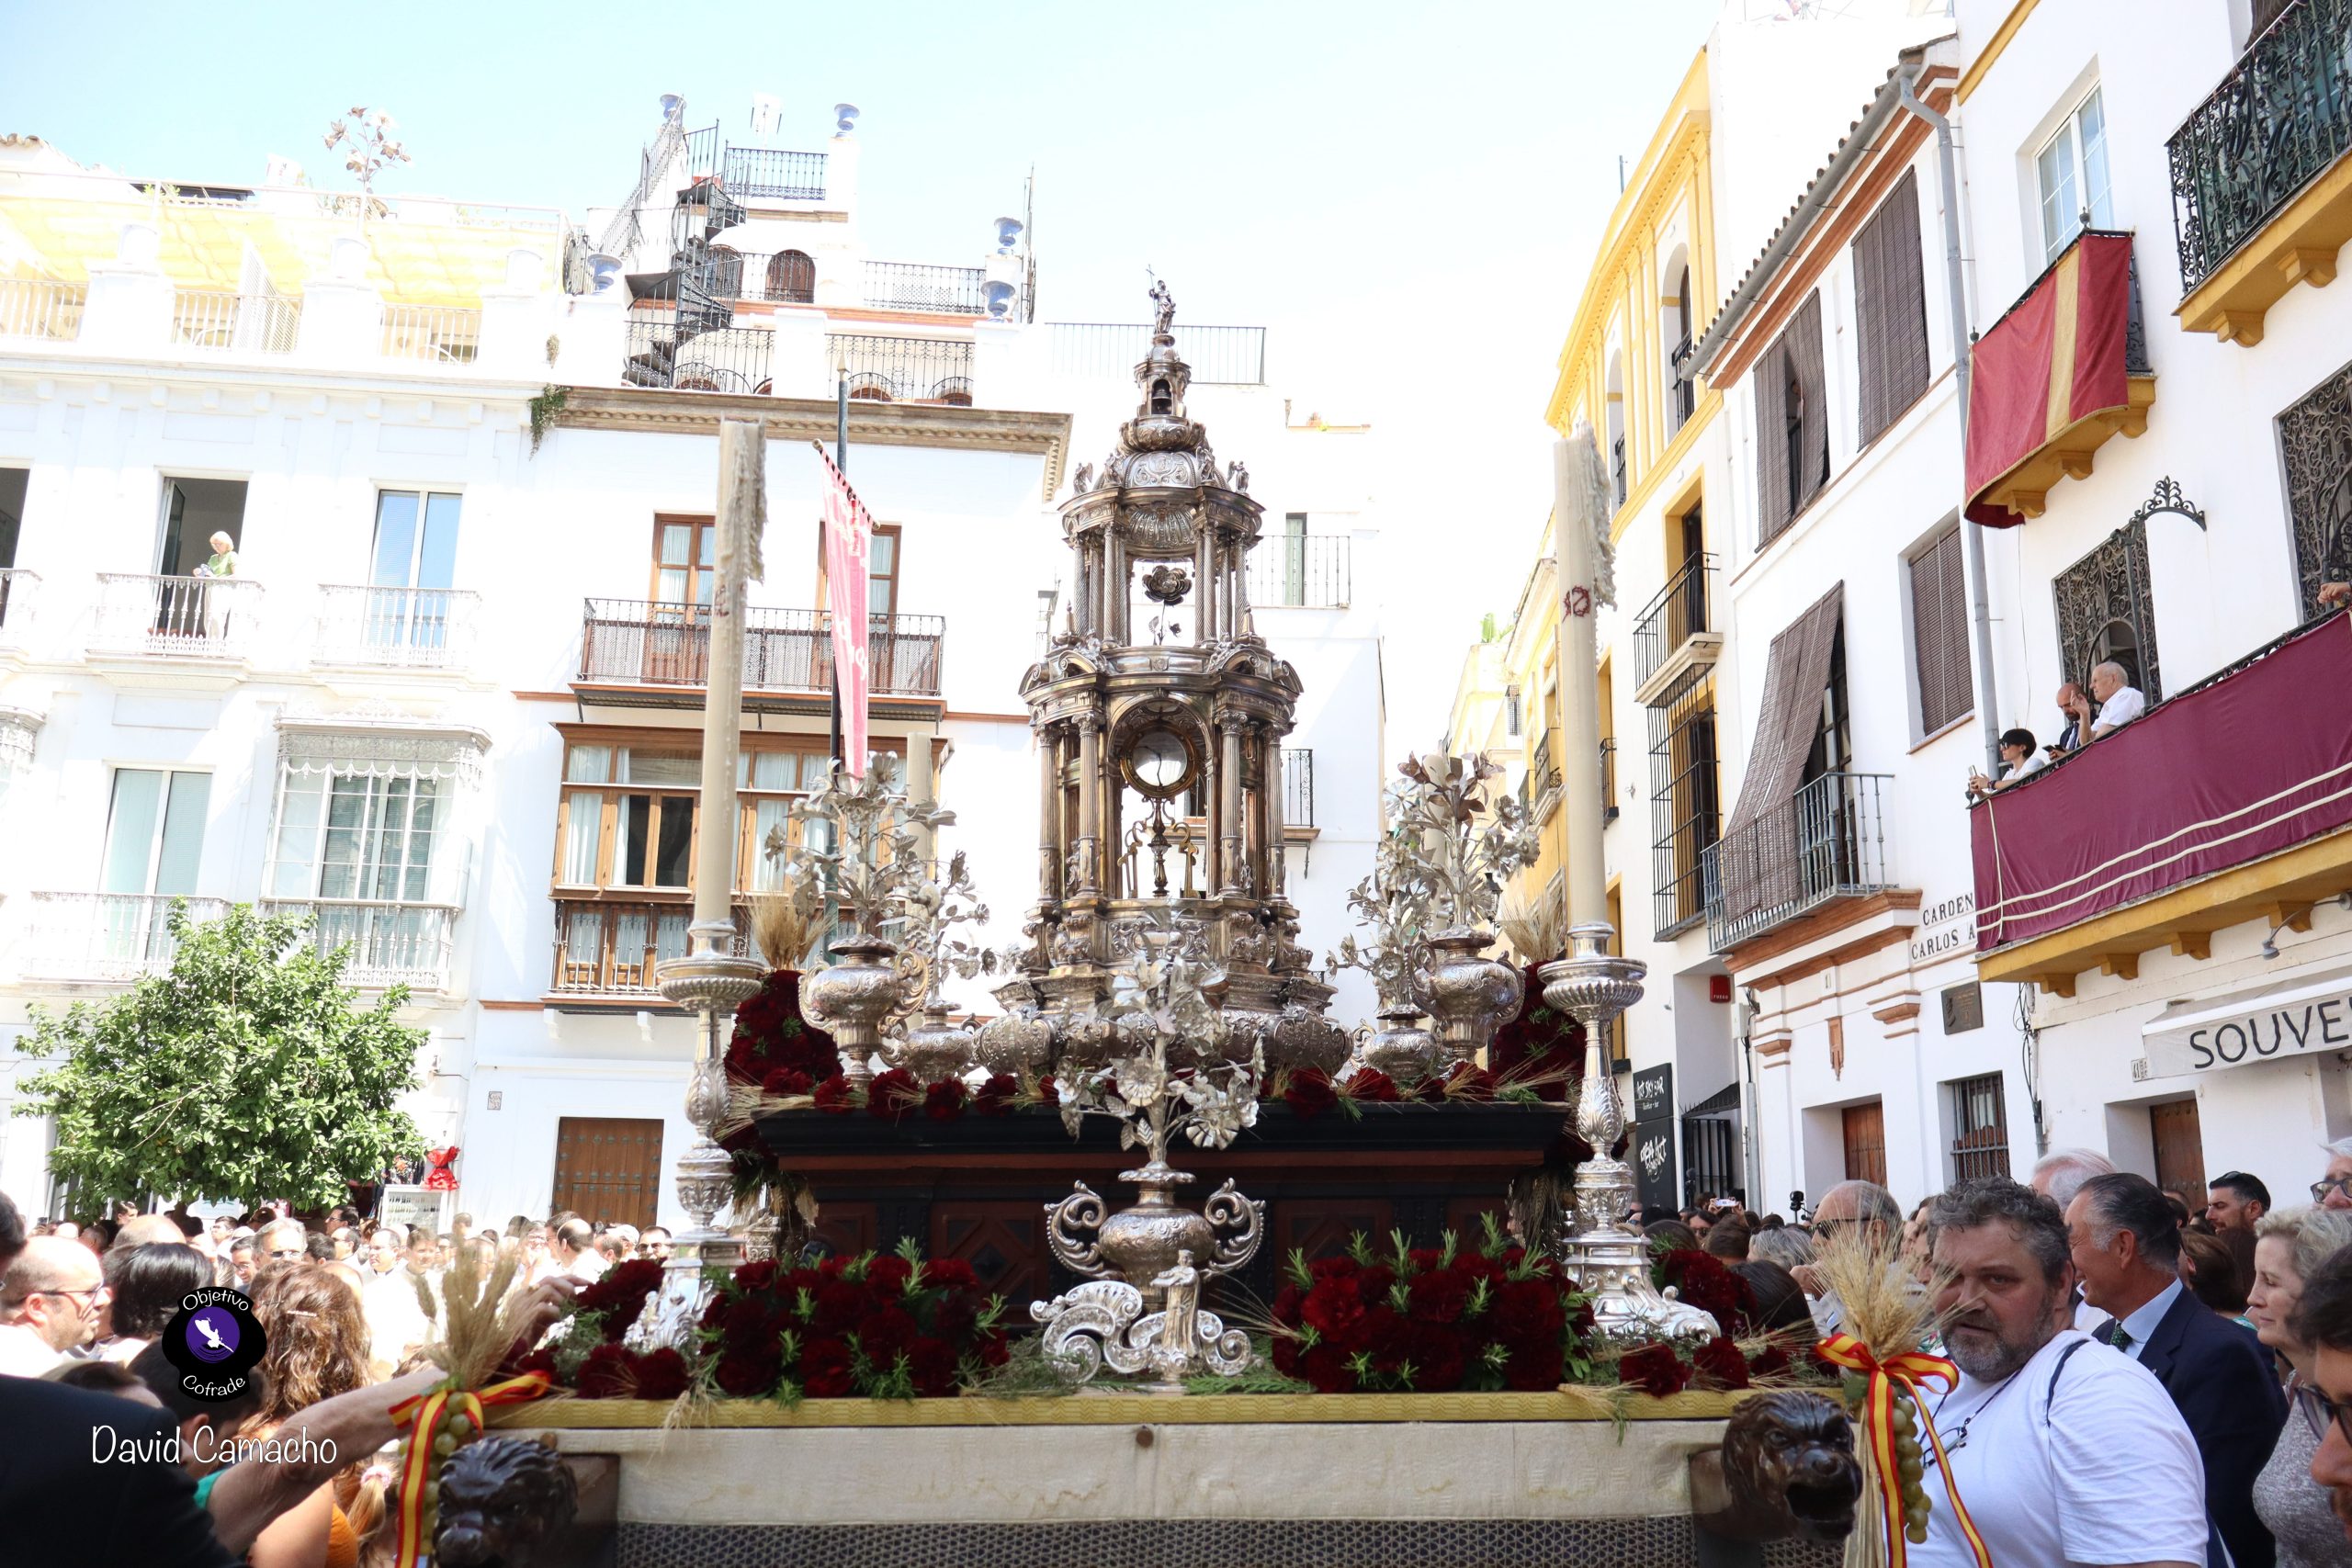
[1469, 996]
[850, 999]
[1401, 1048]
[933, 1048]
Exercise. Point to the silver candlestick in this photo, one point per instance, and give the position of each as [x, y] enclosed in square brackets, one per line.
[711, 983]
[1611, 1262]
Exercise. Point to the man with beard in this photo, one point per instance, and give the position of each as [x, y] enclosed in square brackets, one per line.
[2067, 1451]
[2323, 1321]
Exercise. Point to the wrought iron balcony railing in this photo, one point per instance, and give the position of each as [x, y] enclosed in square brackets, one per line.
[903, 369]
[1681, 393]
[787, 278]
[1828, 841]
[37, 308]
[252, 323]
[406, 628]
[605, 949]
[1218, 355]
[443, 335]
[390, 945]
[912, 285]
[629, 642]
[107, 938]
[759, 174]
[1609, 779]
[2281, 116]
[1298, 788]
[19, 595]
[730, 359]
[1544, 779]
[175, 617]
[1310, 570]
[1679, 610]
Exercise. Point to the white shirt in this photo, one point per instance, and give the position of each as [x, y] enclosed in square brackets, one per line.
[2034, 762]
[2121, 708]
[2105, 1472]
[2143, 1323]
[23, 1352]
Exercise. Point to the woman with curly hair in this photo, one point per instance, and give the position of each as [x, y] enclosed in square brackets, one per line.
[317, 1347]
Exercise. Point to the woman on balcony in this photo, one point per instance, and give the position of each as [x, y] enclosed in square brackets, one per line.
[2020, 759]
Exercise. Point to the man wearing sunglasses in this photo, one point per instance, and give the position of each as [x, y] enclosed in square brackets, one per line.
[49, 1299]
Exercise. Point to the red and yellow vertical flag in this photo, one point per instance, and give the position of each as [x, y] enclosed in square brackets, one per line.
[2055, 361]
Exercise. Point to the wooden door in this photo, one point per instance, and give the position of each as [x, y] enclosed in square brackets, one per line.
[609, 1169]
[1866, 1143]
[1323, 1227]
[1004, 1241]
[2180, 1147]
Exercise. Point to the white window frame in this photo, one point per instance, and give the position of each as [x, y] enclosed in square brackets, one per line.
[163, 820]
[449, 763]
[2058, 231]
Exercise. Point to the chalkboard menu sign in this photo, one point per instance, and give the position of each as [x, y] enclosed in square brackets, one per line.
[1654, 1093]
[1652, 1156]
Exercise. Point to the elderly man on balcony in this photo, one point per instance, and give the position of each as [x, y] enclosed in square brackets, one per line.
[2119, 702]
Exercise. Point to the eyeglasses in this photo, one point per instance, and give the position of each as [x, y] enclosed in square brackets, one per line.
[93, 1293]
[2320, 1189]
[2319, 1410]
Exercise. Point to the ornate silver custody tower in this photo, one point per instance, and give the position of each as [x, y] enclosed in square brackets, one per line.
[1160, 728]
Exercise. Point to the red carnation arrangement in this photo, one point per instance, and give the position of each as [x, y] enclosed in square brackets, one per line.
[836, 1096]
[1308, 1092]
[995, 1096]
[616, 1300]
[945, 1100]
[1539, 1049]
[1703, 1280]
[1719, 1364]
[1428, 1320]
[1371, 1086]
[1656, 1370]
[892, 1094]
[771, 1038]
[1771, 1361]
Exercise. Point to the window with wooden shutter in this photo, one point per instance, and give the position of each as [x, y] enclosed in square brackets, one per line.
[1939, 633]
[1791, 423]
[1889, 305]
[1771, 377]
[1810, 464]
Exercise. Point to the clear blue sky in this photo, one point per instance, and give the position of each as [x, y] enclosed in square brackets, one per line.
[1407, 195]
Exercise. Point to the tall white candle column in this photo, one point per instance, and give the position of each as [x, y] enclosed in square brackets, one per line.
[1609, 1259]
[713, 979]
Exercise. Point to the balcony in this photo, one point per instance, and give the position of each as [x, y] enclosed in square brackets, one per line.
[19, 595]
[224, 322]
[394, 628]
[2024, 433]
[759, 174]
[107, 938]
[910, 285]
[664, 352]
[1827, 843]
[143, 616]
[2262, 193]
[1306, 571]
[787, 278]
[653, 649]
[1543, 780]
[1298, 788]
[2221, 805]
[438, 335]
[903, 369]
[390, 945]
[612, 950]
[38, 309]
[1226, 356]
[1674, 635]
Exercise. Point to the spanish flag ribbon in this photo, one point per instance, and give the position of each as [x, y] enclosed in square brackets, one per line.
[428, 1415]
[1907, 1371]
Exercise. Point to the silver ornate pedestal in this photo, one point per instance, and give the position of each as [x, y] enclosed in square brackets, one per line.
[1609, 1261]
[1102, 1323]
[850, 997]
[1144, 1241]
[711, 983]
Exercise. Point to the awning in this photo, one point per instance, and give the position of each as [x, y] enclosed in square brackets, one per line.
[1722, 1102]
[1796, 673]
[2048, 382]
[2300, 1015]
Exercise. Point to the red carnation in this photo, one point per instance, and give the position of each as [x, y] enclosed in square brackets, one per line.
[1436, 1357]
[954, 1314]
[1719, 1364]
[1335, 1311]
[1285, 1307]
[1469, 1081]
[757, 1276]
[888, 1274]
[995, 1097]
[835, 1095]
[607, 1374]
[892, 1094]
[1309, 1093]
[1528, 1314]
[838, 1306]
[1771, 1361]
[1339, 1267]
[886, 1336]
[1656, 1370]
[1326, 1366]
[949, 1273]
[619, 1297]
[931, 1364]
[1437, 1296]
[1285, 1348]
[825, 1370]
[660, 1374]
[749, 1374]
[1374, 1085]
[944, 1101]
[1533, 1368]
[781, 1081]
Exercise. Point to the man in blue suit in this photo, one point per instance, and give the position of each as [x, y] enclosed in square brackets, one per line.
[2126, 1250]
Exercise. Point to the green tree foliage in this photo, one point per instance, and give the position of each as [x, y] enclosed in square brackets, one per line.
[245, 1072]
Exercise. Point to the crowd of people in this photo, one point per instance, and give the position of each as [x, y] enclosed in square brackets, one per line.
[2146, 1375]
[346, 1306]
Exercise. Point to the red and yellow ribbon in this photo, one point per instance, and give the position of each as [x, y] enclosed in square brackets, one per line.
[426, 1415]
[1907, 1371]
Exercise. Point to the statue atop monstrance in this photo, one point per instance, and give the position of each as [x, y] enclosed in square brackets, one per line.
[1159, 754]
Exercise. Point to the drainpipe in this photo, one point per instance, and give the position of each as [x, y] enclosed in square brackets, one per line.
[1971, 539]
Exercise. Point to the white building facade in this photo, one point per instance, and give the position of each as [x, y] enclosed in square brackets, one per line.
[450, 697]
